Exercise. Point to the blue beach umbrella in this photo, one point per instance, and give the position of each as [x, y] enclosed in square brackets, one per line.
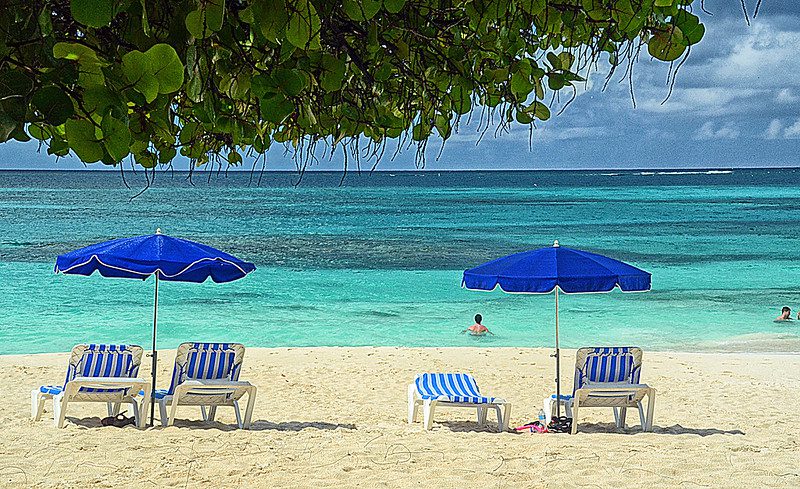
[556, 268]
[164, 257]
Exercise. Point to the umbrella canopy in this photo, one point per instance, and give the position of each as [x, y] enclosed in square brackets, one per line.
[175, 259]
[541, 271]
[159, 255]
[552, 269]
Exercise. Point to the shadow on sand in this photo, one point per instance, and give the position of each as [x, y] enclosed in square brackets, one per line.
[258, 425]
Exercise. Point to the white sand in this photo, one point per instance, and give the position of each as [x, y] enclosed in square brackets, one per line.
[335, 417]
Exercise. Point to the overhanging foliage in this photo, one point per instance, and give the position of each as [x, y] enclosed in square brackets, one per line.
[216, 79]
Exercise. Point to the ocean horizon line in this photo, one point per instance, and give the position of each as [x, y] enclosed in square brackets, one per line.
[419, 170]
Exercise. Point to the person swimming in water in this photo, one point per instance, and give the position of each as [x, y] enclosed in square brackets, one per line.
[478, 329]
[786, 315]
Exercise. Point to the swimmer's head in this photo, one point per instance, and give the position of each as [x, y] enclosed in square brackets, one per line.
[785, 309]
[478, 318]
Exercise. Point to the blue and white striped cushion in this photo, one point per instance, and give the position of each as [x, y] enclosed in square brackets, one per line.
[98, 360]
[450, 387]
[206, 361]
[613, 364]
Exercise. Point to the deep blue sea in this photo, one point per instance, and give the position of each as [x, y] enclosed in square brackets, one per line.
[377, 259]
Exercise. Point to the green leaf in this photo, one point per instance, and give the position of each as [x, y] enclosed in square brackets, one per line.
[304, 26]
[292, 82]
[83, 140]
[521, 85]
[554, 60]
[275, 107]
[206, 19]
[53, 104]
[14, 84]
[45, 22]
[667, 46]
[664, 3]
[166, 66]
[272, 17]
[158, 70]
[539, 110]
[690, 26]
[333, 74]
[393, 6]
[533, 7]
[116, 138]
[361, 10]
[92, 13]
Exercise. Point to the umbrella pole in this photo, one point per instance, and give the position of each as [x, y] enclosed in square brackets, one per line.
[154, 355]
[558, 365]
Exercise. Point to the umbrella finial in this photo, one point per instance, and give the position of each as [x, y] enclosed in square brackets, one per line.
[158, 230]
[555, 244]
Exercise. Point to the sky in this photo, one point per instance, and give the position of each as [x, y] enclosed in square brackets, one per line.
[736, 103]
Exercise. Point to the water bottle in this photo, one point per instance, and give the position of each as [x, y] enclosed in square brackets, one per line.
[542, 419]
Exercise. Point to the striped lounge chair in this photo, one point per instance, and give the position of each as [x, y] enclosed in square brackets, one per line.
[455, 390]
[207, 375]
[97, 373]
[607, 377]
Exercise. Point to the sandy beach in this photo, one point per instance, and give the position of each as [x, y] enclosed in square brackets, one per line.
[336, 417]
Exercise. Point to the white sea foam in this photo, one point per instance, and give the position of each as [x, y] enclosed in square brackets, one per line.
[709, 172]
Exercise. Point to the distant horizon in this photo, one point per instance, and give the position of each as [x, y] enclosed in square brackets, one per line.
[646, 169]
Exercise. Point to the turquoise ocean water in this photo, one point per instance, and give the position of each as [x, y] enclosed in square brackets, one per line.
[378, 260]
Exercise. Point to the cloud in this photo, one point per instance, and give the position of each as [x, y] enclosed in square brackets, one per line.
[793, 131]
[709, 131]
[774, 130]
[786, 96]
[778, 130]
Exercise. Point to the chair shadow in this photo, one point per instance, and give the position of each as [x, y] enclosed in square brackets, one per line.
[633, 429]
[258, 425]
[677, 429]
[468, 426]
[263, 425]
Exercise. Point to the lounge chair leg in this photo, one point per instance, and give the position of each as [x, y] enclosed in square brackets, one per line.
[162, 409]
[173, 409]
[651, 404]
[616, 417]
[623, 411]
[236, 412]
[506, 416]
[203, 413]
[136, 415]
[482, 412]
[413, 406]
[59, 410]
[428, 408]
[37, 404]
[568, 408]
[251, 404]
[575, 407]
[212, 413]
[500, 418]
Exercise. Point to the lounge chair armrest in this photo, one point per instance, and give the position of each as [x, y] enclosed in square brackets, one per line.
[111, 383]
[216, 383]
[613, 386]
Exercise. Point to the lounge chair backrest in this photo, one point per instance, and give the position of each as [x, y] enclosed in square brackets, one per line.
[94, 360]
[206, 361]
[455, 387]
[607, 364]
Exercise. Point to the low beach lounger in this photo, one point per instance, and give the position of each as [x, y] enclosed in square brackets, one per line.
[454, 390]
[607, 377]
[207, 375]
[97, 373]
